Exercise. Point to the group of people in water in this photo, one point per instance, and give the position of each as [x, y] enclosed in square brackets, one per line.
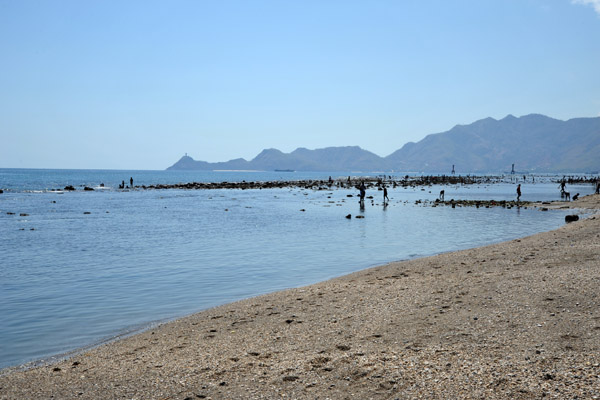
[363, 192]
[122, 185]
[564, 194]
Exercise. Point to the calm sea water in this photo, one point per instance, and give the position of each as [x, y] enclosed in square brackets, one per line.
[78, 268]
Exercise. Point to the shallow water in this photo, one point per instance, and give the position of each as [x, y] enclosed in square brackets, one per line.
[83, 267]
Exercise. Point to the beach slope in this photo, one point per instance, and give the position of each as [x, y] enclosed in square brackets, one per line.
[519, 319]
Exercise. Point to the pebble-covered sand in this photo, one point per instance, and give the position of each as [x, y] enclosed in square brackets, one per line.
[516, 320]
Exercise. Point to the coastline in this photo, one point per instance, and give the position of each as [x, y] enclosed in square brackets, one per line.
[517, 319]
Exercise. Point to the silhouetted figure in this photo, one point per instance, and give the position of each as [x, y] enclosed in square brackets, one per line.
[442, 193]
[363, 192]
[385, 196]
[122, 185]
[518, 192]
[576, 197]
[131, 181]
[598, 187]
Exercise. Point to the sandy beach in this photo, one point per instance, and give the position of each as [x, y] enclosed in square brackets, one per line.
[519, 320]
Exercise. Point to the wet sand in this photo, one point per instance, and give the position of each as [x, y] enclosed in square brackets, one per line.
[519, 319]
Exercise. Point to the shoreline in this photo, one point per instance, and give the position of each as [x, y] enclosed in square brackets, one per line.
[471, 323]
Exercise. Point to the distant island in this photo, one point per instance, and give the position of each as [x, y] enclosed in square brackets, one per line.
[534, 143]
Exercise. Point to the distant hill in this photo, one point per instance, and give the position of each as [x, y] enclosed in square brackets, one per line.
[350, 158]
[534, 143]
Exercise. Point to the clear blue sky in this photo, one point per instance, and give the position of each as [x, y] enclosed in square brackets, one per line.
[136, 84]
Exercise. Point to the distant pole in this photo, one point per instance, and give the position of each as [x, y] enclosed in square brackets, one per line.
[453, 172]
[512, 172]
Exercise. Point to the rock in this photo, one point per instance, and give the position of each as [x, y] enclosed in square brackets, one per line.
[88, 189]
[1, 191]
[571, 218]
[548, 377]
[360, 216]
[23, 215]
[69, 187]
[349, 216]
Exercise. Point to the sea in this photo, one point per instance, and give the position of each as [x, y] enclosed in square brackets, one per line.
[80, 268]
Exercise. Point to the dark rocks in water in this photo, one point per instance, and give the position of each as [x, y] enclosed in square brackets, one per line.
[349, 216]
[308, 184]
[544, 209]
[10, 213]
[24, 215]
[1, 191]
[571, 218]
[477, 203]
[69, 187]
[360, 216]
[86, 212]
[89, 189]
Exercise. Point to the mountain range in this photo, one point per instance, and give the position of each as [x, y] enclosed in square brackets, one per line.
[534, 143]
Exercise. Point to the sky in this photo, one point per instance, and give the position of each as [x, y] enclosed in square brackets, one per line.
[111, 84]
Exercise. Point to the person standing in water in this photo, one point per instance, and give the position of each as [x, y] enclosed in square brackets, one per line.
[131, 181]
[519, 192]
[363, 192]
[385, 196]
